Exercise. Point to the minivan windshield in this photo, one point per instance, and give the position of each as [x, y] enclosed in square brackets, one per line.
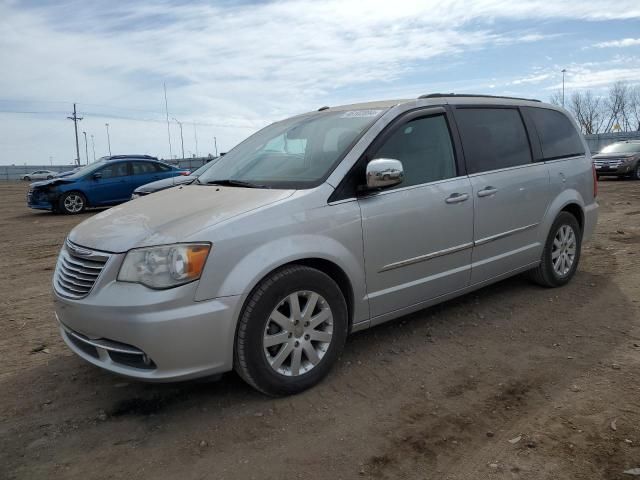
[297, 153]
[622, 147]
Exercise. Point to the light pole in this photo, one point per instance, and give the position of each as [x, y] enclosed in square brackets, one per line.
[181, 137]
[195, 134]
[215, 145]
[86, 147]
[564, 70]
[108, 138]
[93, 146]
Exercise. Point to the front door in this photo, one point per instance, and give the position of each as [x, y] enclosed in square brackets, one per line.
[418, 235]
[510, 192]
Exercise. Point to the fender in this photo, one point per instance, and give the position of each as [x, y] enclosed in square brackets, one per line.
[255, 266]
[566, 197]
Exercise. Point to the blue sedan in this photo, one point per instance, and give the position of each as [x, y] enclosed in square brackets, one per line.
[107, 182]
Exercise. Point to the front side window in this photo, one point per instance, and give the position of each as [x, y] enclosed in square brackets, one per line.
[424, 147]
[558, 136]
[493, 138]
[114, 170]
[295, 153]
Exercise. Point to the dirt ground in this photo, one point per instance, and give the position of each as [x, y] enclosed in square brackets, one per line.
[512, 382]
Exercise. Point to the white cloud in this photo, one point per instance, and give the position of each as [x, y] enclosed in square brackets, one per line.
[625, 42]
[235, 68]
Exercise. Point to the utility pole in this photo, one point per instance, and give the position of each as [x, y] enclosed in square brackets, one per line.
[215, 144]
[93, 146]
[76, 119]
[166, 111]
[108, 138]
[86, 147]
[195, 134]
[181, 137]
[564, 70]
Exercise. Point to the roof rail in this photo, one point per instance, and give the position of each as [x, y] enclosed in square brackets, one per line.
[471, 95]
[118, 157]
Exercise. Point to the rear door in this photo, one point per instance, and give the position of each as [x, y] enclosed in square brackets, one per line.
[142, 173]
[418, 235]
[511, 192]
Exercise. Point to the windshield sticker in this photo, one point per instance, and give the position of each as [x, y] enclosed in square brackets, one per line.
[361, 113]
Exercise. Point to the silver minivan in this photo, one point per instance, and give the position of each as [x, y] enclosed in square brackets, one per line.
[321, 225]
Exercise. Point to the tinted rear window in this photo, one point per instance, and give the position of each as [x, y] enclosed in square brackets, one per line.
[493, 138]
[558, 137]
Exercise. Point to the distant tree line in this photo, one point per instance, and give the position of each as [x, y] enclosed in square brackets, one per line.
[618, 110]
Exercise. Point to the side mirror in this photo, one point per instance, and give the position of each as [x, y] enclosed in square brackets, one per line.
[384, 172]
[97, 176]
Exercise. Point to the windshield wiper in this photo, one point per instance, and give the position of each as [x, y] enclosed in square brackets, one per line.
[234, 183]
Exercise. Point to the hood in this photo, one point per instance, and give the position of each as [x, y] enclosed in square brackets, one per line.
[164, 183]
[53, 181]
[614, 155]
[170, 216]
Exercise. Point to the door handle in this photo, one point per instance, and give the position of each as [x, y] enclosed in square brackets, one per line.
[487, 191]
[457, 198]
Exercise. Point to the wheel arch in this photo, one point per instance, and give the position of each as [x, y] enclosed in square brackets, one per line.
[328, 267]
[73, 190]
[567, 201]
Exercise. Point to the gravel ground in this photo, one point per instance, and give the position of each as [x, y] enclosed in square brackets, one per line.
[512, 381]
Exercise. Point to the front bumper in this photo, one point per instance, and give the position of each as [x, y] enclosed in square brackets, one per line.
[39, 200]
[151, 335]
[623, 169]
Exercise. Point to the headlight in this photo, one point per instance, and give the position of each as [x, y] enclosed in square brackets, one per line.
[164, 266]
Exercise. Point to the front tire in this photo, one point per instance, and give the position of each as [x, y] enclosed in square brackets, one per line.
[292, 330]
[26, 178]
[72, 203]
[636, 172]
[561, 253]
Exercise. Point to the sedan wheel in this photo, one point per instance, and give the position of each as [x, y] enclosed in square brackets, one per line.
[73, 202]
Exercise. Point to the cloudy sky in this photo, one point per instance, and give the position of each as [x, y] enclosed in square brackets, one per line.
[231, 67]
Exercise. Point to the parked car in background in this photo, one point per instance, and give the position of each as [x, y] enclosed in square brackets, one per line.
[103, 183]
[620, 159]
[323, 224]
[39, 175]
[171, 182]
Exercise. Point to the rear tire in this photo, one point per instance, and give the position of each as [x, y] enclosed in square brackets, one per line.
[72, 203]
[636, 172]
[292, 330]
[561, 253]
[27, 178]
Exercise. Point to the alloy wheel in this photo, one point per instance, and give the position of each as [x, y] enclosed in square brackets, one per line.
[563, 252]
[73, 203]
[298, 333]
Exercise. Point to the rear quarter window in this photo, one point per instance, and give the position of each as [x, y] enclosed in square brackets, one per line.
[558, 137]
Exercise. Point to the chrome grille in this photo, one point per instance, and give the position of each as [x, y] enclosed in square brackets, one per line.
[608, 162]
[77, 270]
